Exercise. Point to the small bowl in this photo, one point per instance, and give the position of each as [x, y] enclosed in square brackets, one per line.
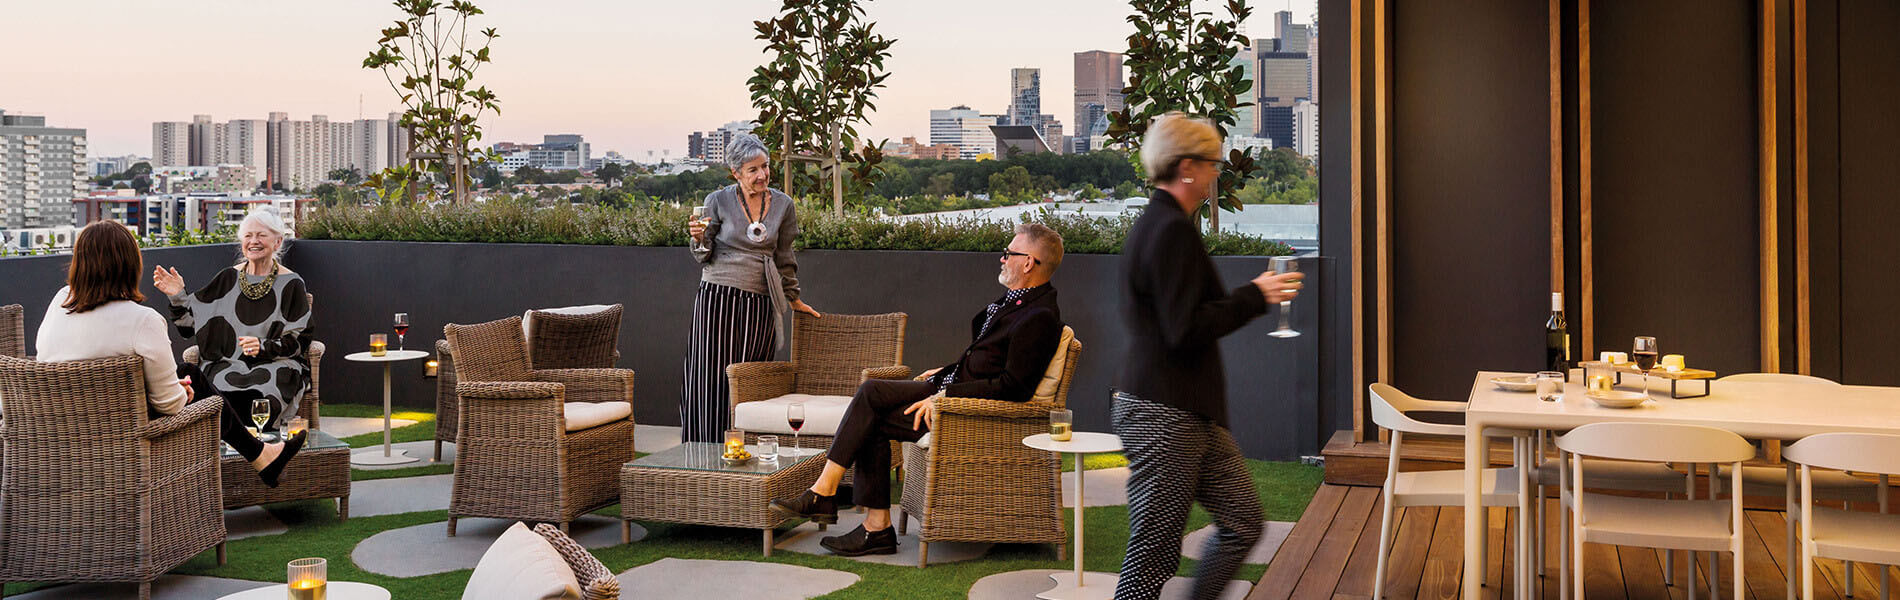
[739, 461]
[1515, 383]
[1619, 398]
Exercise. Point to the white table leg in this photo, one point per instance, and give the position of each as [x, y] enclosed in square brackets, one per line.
[1073, 587]
[1474, 509]
[388, 456]
[386, 410]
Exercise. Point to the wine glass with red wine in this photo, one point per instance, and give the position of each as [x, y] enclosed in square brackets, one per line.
[795, 416]
[402, 326]
[1643, 351]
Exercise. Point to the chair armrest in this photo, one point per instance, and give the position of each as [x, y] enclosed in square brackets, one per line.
[193, 413]
[981, 407]
[591, 385]
[891, 372]
[753, 381]
[508, 390]
[190, 355]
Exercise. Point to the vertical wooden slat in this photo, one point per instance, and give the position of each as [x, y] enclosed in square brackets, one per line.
[1556, 147]
[1586, 297]
[1803, 323]
[1358, 231]
[1381, 165]
[1770, 200]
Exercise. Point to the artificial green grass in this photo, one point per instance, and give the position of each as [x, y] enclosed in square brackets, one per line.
[423, 429]
[1284, 490]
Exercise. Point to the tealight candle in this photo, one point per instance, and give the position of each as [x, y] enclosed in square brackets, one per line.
[429, 368]
[1672, 362]
[378, 344]
[308, 578]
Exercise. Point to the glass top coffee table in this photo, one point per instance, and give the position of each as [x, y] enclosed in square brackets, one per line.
[321, 469]
[690, 483]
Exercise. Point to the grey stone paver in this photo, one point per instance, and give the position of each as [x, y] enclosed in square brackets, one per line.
[1272, 534]
[167, 587]
[426, 549]
[400, 495]
[1015, 585]
[251, 521]
[804, 539]
[693, 578]
[423, 450]
[1105, 487]
[343, 427]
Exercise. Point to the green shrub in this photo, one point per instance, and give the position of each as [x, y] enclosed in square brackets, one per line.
[653, 224]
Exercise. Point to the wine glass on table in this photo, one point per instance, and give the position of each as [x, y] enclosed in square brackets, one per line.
[402, 327]
[1643, 351]
[1283, 265]
[795, 416]
[260, 414]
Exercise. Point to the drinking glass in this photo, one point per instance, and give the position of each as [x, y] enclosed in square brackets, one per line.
[1061, 424]
[768, 447]
[1550, 386]
[402, 326]
[297, 424]
[795, 416]
[307, 578]
[1643, 351]
[260, 413]
[378, 344]
[1283, 265]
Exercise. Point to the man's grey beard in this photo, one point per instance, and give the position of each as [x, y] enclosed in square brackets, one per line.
[1003, 276]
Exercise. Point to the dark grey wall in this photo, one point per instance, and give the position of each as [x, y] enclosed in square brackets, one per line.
[1859, 169]
[1272, 383]
[31, 281]
[1335, 219]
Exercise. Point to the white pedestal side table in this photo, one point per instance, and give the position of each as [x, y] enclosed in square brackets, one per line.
[335, 590]
[1074, 586]
[371, 457]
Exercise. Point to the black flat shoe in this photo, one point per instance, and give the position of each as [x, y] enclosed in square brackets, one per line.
[276, 467]
[810, 505]
[860, 542]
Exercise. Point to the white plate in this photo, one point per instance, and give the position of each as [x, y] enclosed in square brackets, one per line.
[1619, 398]
[1515, 383]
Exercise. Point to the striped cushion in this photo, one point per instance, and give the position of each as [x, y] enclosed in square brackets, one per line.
[597, 583]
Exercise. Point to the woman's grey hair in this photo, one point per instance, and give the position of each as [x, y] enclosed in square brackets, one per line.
[267, 216]
[741, 149]
[1175, 136]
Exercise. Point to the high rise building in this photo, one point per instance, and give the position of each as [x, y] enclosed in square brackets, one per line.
[565, 152]
[963, 127]
[244, 143]
[1292, 36]
[171, 144]
[300, 155]
[1283, 81]
[696, 145]
[1025, 97]
[717, 138]
[1098, 80]
[203, 142]
[1312, 59]
[1277, 125]
[42, 169]
[369, 145]
[1247, 118]
[1306, 128]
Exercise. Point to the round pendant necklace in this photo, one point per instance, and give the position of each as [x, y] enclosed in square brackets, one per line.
[755, 231]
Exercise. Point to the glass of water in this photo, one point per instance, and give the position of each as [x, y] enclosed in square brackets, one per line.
[768, 447]
[1550, 386]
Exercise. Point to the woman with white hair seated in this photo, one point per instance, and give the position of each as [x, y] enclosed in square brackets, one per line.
[748, 278]
[251, 322]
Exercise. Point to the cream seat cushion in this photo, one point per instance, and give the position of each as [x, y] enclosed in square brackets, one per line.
[587, 415]
[522, 565]
[1052, 376]
[822, 414]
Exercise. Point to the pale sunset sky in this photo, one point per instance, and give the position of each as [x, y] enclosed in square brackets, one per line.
[633, 76]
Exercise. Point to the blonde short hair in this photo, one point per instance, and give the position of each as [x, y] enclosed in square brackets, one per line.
[1175, 136]
[1045, 239]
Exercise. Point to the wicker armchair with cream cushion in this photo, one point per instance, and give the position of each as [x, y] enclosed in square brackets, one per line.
[538, 445]
[830, 357]
[973, 480]
[95, 490]
[571, 337]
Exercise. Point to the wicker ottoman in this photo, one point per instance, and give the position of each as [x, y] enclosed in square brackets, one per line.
[320, 470]
[690, 484]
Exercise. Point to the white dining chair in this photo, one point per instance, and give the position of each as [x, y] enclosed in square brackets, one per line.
[1505, 488]
[1842, 534]
[1835, 486]
[1694, 525]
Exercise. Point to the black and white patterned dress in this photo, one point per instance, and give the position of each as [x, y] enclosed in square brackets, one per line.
[218, 314]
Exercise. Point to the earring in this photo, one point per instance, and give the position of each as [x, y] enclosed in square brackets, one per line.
[1187, 180]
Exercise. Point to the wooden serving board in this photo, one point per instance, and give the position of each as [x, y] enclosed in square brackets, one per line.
[1659, 373]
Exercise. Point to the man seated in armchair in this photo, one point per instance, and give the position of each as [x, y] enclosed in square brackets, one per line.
[1013, 340]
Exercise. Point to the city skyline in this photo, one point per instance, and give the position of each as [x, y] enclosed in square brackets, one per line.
[597, 76]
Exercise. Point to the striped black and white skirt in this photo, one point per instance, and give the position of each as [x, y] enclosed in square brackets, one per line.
[730, 325]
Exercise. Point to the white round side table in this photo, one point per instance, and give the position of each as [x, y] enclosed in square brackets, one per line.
[1073, 587]
[335, 590]
[370, 457]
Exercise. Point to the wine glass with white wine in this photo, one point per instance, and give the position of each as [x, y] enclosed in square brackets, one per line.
[260, 414]
[1283, 265]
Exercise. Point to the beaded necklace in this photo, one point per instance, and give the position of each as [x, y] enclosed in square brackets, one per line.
[257, 290]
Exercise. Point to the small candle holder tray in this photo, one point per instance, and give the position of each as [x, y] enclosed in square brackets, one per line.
[1707, 377]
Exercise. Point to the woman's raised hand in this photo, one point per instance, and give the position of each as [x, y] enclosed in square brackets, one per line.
[168, 281]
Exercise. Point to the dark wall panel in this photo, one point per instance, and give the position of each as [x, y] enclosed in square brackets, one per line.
[1824, 185]
[1470, 191]
[1869, 215]
[1675, 206]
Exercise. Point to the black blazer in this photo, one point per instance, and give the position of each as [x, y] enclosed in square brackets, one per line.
[1008, 362]
[1176, 312]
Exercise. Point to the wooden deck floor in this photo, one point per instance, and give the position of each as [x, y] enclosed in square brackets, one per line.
[1330, 556]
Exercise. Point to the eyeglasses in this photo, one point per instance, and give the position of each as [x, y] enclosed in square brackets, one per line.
[1007, 253]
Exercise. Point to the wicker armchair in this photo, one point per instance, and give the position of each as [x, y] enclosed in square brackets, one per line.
[556, 340]
[977, 482]
[309, 407]
[830, 357]
[515, 458]
[94, 489]
[13, 331]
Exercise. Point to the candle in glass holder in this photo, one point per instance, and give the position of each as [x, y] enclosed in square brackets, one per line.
[308, 579]
[735, 443]
[378, 344]
[429, 368]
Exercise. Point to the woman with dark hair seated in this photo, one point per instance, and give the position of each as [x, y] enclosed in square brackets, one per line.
[98, 315]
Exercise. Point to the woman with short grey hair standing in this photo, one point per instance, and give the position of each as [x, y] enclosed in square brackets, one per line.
[748, 280]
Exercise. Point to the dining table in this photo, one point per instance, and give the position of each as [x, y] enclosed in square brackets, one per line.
[1752, 409]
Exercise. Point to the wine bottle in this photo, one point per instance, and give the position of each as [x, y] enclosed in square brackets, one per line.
[1557, 338]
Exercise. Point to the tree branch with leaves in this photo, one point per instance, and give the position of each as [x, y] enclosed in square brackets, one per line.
[429, 61]
[827, 65]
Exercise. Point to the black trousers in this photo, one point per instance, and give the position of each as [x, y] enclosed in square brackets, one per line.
[875, 418]
[237, 405]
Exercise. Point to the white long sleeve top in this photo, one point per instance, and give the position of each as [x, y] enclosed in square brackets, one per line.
[121, 328]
